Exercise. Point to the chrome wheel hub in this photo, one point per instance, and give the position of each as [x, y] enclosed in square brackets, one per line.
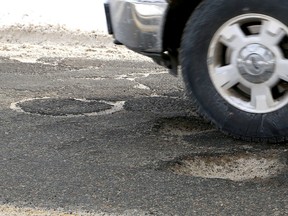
[256, 63]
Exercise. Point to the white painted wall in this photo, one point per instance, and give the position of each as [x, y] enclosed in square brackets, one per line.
[84, 15]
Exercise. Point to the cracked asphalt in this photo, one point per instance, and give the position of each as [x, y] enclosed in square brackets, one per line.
[58, 153]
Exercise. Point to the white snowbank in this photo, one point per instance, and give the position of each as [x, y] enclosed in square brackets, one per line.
[83, 15]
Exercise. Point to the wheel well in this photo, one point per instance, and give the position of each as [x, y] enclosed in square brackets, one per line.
[177, 15]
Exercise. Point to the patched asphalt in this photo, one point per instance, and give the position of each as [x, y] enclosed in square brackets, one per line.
[62, 107]
[138, 159]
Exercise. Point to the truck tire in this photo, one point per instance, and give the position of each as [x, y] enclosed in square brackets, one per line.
[234, 58]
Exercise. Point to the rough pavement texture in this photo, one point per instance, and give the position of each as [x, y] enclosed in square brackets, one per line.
[122, 163]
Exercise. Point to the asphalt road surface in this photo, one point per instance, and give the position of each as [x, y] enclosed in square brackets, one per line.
[118, 137]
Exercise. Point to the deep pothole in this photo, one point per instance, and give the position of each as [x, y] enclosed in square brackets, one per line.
[66, 106]
[181, 126]
[235, 167]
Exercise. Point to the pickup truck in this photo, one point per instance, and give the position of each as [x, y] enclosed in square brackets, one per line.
[233, 56]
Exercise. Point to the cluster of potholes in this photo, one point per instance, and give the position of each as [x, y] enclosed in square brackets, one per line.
[67, 107]
[236, 166]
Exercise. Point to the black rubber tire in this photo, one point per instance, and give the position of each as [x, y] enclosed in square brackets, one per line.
[199, 31]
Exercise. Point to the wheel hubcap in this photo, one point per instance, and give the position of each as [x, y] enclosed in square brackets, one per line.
[256, 63]
[248, 63]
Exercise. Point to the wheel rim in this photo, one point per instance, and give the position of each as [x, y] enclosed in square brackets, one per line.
[248, 63]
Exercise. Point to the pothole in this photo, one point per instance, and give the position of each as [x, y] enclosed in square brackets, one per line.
[235, 167]
[67, 107]
[181, 126]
